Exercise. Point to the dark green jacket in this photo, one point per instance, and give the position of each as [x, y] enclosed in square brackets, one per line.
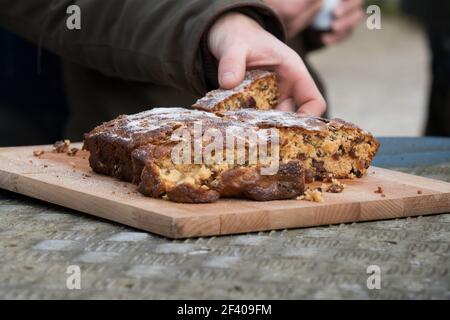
[129, 55]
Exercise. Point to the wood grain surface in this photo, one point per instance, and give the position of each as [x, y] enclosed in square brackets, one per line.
[69, 182]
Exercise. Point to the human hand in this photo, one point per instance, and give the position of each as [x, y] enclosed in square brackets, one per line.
[240, 43]
[347, 16]
[296, 15]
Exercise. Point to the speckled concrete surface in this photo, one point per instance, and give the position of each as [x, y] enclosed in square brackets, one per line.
[38, 242]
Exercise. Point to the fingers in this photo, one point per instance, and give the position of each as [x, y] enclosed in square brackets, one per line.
[307, 95]
[287, 105]
[303, 19]
[311, 104]
[348, 15]
[348, 21]
[297, 83]
[313, 108]
[347, 6]
[232, 66]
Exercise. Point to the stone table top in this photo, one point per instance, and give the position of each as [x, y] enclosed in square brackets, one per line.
[40, 243]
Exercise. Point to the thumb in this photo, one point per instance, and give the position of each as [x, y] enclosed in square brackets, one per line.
[232, 66]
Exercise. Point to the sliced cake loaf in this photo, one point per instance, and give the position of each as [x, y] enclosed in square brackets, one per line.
[140, 147]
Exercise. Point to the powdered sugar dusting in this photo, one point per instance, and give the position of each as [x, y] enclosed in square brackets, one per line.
[276, 118]
[129, 127]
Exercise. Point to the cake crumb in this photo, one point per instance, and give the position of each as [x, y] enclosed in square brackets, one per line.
[45, 166]
[351, 176]
[72, 164]
[313, 195]
[419, 191]
[379, 190]
[335, 187]
[383, 195]
[38, 153]
[30, 161]
[61, 146]
[72, 152]
[328, 178]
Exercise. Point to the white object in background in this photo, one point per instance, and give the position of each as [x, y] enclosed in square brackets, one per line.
[324, 18]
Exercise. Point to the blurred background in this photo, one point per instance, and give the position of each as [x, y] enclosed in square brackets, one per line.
[379, 79]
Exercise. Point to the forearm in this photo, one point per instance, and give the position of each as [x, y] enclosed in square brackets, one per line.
[156, 41]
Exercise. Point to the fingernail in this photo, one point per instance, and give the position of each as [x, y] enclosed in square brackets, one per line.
[227, 77]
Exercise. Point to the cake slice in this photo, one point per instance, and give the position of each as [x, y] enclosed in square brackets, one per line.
[328, 149]
[259, 90]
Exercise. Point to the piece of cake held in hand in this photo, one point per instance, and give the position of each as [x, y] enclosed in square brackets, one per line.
[259, 90]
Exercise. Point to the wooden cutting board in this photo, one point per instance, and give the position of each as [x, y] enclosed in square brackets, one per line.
[69, 182]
